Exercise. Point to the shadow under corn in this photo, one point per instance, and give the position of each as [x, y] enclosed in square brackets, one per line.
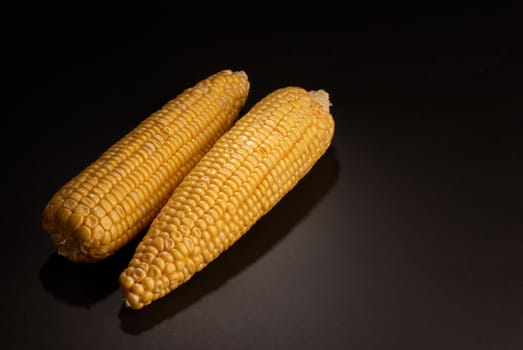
[84, 284]
[258, 241]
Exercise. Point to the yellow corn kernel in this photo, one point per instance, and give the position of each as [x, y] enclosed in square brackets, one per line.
[262, 157]
[118, 195]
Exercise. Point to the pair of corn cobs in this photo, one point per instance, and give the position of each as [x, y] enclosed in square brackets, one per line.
[197, 183]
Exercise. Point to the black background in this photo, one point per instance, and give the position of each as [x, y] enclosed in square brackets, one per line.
[406, 234]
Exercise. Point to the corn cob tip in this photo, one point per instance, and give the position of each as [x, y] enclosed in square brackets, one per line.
[322, 97]
[241, 74]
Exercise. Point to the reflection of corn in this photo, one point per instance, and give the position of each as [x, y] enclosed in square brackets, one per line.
[248, 170]
[112, 200]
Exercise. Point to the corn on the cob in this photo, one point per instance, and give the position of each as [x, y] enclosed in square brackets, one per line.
[118, 195]
[248, 170]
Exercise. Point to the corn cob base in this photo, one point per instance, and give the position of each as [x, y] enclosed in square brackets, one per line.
[248, 170]
[116, 197]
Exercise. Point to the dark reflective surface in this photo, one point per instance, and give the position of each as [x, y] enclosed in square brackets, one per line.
[406, 235]
[84, 284]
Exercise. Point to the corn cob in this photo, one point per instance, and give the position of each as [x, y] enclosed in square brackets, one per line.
[117, 196]
[248, 170]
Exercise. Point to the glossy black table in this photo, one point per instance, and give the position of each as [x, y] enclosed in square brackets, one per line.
[407, 234]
